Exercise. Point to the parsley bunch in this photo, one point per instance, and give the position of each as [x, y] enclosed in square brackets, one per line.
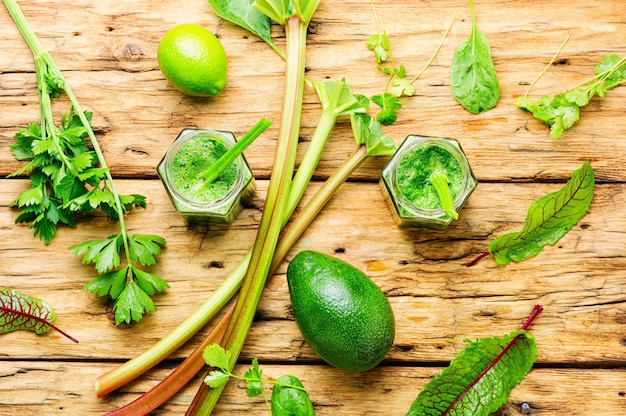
[561, 111]
[69, 178]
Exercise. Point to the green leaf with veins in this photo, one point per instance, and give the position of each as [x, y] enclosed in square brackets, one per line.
[548, 219]
[20, 312]
[477, 382]
[389, 106]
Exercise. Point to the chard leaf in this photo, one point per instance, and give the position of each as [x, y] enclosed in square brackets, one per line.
[20, 312]
[473, 76]
[548, 219]
[290, 399]
[478, 381]
[244, 14]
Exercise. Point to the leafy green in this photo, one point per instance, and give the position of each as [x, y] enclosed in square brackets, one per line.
[129, 286]
[477, 382]
[69, 178]
[241, 13]
[561, 111]
[290, 401]
[548, 219]
[473, 77]
[20, 312]
[288, 398]
[397, 85]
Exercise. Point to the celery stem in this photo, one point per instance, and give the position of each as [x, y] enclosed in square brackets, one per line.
[440, 181]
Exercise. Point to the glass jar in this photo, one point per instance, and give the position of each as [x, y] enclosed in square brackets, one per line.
[191, 153]
[412, 200]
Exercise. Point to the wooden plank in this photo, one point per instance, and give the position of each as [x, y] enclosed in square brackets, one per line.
[434, 296]
[137, 114]
[55, 388]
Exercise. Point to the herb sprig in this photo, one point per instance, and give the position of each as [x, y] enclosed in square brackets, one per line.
[562, 110]
[398, 84]
[68, 179]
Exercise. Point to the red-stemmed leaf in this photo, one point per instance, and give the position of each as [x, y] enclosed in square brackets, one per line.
[479, 379]
[20, 312]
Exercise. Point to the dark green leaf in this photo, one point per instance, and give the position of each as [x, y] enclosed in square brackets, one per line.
[111, 283]
[479, 379]
[548, 219]
[290, 399]
[473, 77]
[145, 247]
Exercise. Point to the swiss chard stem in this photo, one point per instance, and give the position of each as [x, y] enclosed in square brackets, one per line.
[439, 179]
[216, 169]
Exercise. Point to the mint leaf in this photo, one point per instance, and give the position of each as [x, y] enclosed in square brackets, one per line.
[548, 219]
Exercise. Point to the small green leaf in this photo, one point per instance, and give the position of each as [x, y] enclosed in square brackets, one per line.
[145, 247]
[402, 87]
[389, 106]
[473, 76]
[132, 304]
[216, 379]
[379, 44]
[216, 356]
[367, 132]
[104, 253]
[148, 282]
[111, 283]
[289, 398]
[254, 379]
[548, 219]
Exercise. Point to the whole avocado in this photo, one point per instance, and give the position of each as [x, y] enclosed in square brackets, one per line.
[342, 314]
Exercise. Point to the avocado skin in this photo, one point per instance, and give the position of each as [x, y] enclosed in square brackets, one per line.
[342, 314]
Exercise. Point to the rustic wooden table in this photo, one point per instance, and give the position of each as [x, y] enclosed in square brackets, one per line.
[107, 51]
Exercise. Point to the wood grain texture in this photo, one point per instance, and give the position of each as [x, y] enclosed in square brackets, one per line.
[107, 52]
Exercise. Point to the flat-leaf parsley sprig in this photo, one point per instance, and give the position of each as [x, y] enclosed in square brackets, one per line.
[68, 179]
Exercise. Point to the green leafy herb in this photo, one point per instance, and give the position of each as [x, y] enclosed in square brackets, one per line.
[397, 85]
[20, 312]
[479, 379]
[473, 76]
[289, 396]
[69, 179]
[547, 221]
[561, 111]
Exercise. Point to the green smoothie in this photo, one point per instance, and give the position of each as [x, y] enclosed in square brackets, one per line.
[416, 172]
[191, 160]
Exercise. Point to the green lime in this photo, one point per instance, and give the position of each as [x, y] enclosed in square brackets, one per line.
[193, 60]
